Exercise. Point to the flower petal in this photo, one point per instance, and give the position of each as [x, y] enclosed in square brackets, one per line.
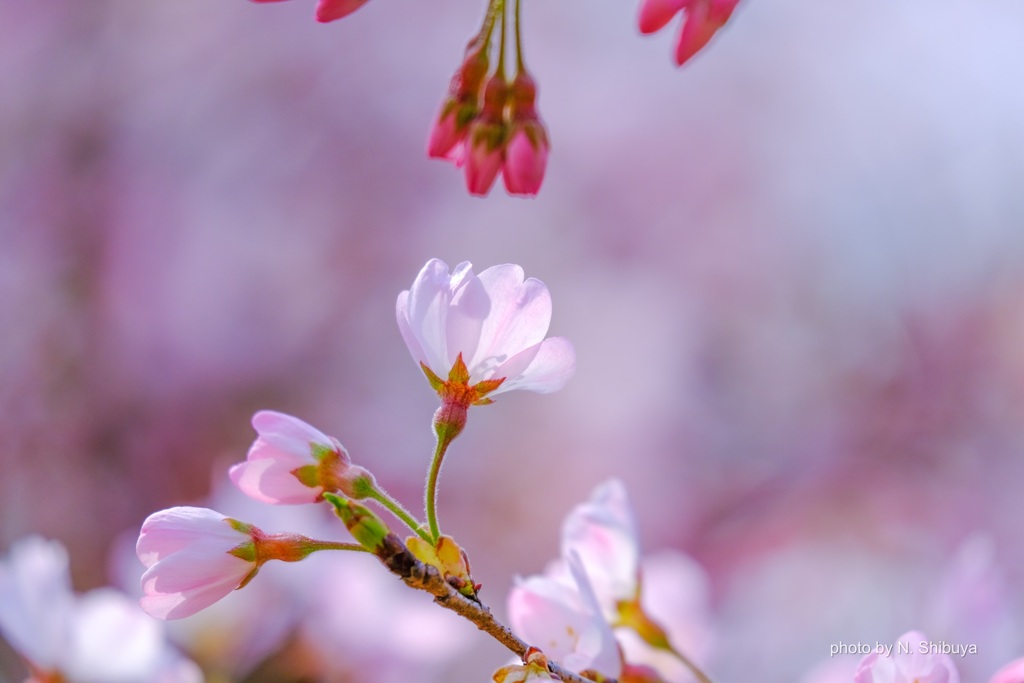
[427, 310]
[329, 10]
[655, 14]
[168, 531]
[552, 366]
[289, 434]
[271, 481]
[518, 317]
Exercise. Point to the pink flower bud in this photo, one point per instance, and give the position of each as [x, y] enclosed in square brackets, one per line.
[461, 106]
[488, 134]
[703, 18]
[194, 557]
[484, 157]
[329, 10]
[655, 14]
[526, 155]
[292, 462]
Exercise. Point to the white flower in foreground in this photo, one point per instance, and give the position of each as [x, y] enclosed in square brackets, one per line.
[496, 321]
[99, 637]
[910, 661]
[36, 602]
[559, 614]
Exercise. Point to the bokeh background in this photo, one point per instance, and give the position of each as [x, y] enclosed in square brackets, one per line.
[793, 272]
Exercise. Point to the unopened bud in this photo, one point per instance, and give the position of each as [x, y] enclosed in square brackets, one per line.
[366, 527]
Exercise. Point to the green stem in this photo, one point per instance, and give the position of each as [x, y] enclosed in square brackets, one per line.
[397, 510]
[435, 471]
[314, 545]
[519, 42]
[500, 69]
[483, 38]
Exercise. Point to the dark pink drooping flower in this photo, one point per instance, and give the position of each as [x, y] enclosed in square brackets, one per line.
[703, 18]
[526, 154]
[485, 145]
[329, 10]
[448, 136]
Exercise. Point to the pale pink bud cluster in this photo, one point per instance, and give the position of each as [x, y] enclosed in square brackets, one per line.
[292, 462]
[702, 19]
[492, 127]
[496, 321]
[329, 10]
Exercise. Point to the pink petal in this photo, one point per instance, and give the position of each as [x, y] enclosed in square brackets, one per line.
[482, 167]
[655, 14]
[524, 165]
[551, 368]
[602, 532]
[427, 310]
[444, 136]
[169, 531]
[329, 10]
[271, 481]
[1011, 673]
[698, 28]
[289, 434]
[518, 317]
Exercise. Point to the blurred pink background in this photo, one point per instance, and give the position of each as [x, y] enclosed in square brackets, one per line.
[793, 272]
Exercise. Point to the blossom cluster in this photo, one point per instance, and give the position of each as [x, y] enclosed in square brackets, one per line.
[602, 611]
[593, 612]
[489, 124]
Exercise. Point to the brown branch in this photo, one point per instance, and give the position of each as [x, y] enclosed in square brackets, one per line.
[397, 558]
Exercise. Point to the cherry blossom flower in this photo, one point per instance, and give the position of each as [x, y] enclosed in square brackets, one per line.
[292, 462]
[496, 321]
[1011, 673]
[910, 661]
[559, 613]
[703, 19]
[329, 10]
[99, 637]
[194, 557]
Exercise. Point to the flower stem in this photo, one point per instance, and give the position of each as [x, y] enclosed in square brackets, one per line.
[385, 499]
[483, 38]
[519, 41]
[432, 477]
[314, 545]
[500, 69]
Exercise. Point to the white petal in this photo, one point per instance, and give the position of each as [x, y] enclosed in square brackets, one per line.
[429, 299]
[288, 433]
[518, 317]
[602, 532]
[552, 366]
[36, 602]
